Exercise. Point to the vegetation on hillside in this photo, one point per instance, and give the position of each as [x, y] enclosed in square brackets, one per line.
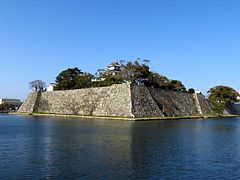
[136, 72]
[130, 71]
[73, 78]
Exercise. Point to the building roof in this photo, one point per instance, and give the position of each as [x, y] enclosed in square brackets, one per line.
[114, 64]
[52, 84]
[15, 102]
[6, 99]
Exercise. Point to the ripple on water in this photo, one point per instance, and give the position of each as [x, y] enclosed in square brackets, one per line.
[65, 148]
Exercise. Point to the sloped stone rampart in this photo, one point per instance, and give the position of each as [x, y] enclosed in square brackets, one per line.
[105, 101]
[207, 108]
[123, 100]
[30, 103]
[143, 104]
[173, 103]
[197, 102]
[234, 108]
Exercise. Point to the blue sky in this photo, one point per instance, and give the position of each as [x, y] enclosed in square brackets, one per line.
[196, 41]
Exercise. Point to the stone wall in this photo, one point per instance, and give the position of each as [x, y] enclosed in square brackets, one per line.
[174, 103]
[207, 108]
[105, 101]
[123, 100]
[143, 104]
[30, 103]
[234, 108]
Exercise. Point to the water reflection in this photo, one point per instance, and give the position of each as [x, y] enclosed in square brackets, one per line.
[61, 148]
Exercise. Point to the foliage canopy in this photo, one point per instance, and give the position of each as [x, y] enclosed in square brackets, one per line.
[221, 96]
[130, 71]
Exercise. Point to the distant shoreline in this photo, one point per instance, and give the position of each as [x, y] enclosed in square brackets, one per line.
[4, 112]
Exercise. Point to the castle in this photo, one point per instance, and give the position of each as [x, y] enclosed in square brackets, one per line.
[120, 100]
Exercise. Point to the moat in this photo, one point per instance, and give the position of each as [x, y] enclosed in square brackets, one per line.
[65, 148]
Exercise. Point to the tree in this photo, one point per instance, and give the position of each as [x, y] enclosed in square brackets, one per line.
[67, 79]
[109, 80]
[84, 81]
[191, 90]
[37, 85]
[100, 73]
[222, 96]
[159, 81]
[134, 71]
[176, 85]
[146, 61]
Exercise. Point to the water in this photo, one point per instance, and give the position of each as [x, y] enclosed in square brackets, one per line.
[65, 148]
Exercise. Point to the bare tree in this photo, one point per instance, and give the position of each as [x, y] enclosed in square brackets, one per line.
[122, 62]
[100, 72]
[37, 85]
[146, 61]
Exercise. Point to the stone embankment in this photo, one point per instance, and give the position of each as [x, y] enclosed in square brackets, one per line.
[29, 106]
[234, 108]
[123, 100]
